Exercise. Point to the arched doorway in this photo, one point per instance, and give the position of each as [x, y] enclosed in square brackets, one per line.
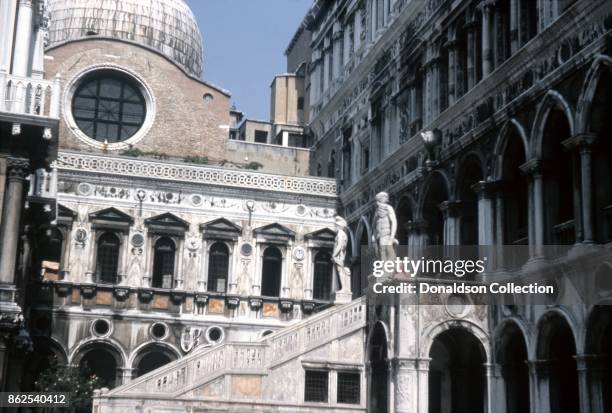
[431, 212]
[379, 370]
[456, 373]
[102, 363]
[512, 357]
[514, 200]
[557, 347]
[559, 187]
[404, 217]
[151, 358]
[46, 354]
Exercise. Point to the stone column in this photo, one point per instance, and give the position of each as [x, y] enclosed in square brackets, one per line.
[533, 169]
[11, 216]
[499, 229]
[23, 37]
[584, 362]
[487, 50]
[538, 385]
[495, 389]
[584, 142]
[451, 211]
[125, 375]
[486, 219]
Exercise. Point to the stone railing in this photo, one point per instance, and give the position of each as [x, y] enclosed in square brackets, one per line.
[174, 171]
[29, 96]
[209, 363]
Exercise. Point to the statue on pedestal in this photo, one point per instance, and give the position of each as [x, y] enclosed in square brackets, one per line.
[338, 258]
[385, 227]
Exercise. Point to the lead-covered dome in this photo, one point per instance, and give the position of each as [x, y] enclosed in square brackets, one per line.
[167, 26]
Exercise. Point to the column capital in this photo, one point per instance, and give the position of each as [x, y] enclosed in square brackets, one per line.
[17, 168]
[415, 226]
[588, 361]
[538, 366]
[486, 188]
[532, 167]
[492, 369]
[450, 208]
[487, 5]
[580, 140]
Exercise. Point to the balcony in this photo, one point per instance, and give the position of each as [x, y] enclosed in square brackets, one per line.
[28, 96]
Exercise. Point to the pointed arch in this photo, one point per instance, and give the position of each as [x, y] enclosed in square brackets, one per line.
[512, 125]
[430, 181]
[551, 99]
[589, 88]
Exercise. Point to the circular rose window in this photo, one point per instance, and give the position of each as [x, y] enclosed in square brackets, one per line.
[108, 106]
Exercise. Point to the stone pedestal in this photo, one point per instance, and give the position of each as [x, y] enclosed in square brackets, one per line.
[340, 297]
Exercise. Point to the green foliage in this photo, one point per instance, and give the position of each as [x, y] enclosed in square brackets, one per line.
[134, 152]
[201, 160]
[253, 165]
[137, 153]
[79, 382]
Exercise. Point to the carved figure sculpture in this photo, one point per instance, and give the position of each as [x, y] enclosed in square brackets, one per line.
[339, 255]
[385, 227]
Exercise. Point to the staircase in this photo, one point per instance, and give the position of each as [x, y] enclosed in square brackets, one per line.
[179, 379]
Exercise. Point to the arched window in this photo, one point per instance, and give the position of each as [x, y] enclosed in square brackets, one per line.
[163, 263]
[107, 258]
[271, 271]
[322, 281]
[218, 267]
[331, 167]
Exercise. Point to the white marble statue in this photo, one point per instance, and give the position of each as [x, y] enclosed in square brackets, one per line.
[385, 227]
[339, 255]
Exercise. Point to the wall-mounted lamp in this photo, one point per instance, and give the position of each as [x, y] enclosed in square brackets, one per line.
[431, 139]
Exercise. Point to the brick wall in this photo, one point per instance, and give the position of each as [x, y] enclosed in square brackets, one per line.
[184, 124]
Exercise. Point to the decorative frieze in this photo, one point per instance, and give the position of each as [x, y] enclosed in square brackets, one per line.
[68, 161]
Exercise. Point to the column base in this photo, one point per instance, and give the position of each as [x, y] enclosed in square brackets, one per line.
[341, 297]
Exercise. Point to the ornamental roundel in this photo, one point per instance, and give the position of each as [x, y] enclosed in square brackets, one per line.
[246, 249]
[299, 254]
[137, 240]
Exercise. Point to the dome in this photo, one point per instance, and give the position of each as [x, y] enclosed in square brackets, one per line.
[167, 26]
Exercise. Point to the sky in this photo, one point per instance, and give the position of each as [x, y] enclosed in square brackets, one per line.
[244, 46]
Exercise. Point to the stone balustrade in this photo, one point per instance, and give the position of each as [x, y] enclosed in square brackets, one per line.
[174, 171]
[28, 96]
[207, 363]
